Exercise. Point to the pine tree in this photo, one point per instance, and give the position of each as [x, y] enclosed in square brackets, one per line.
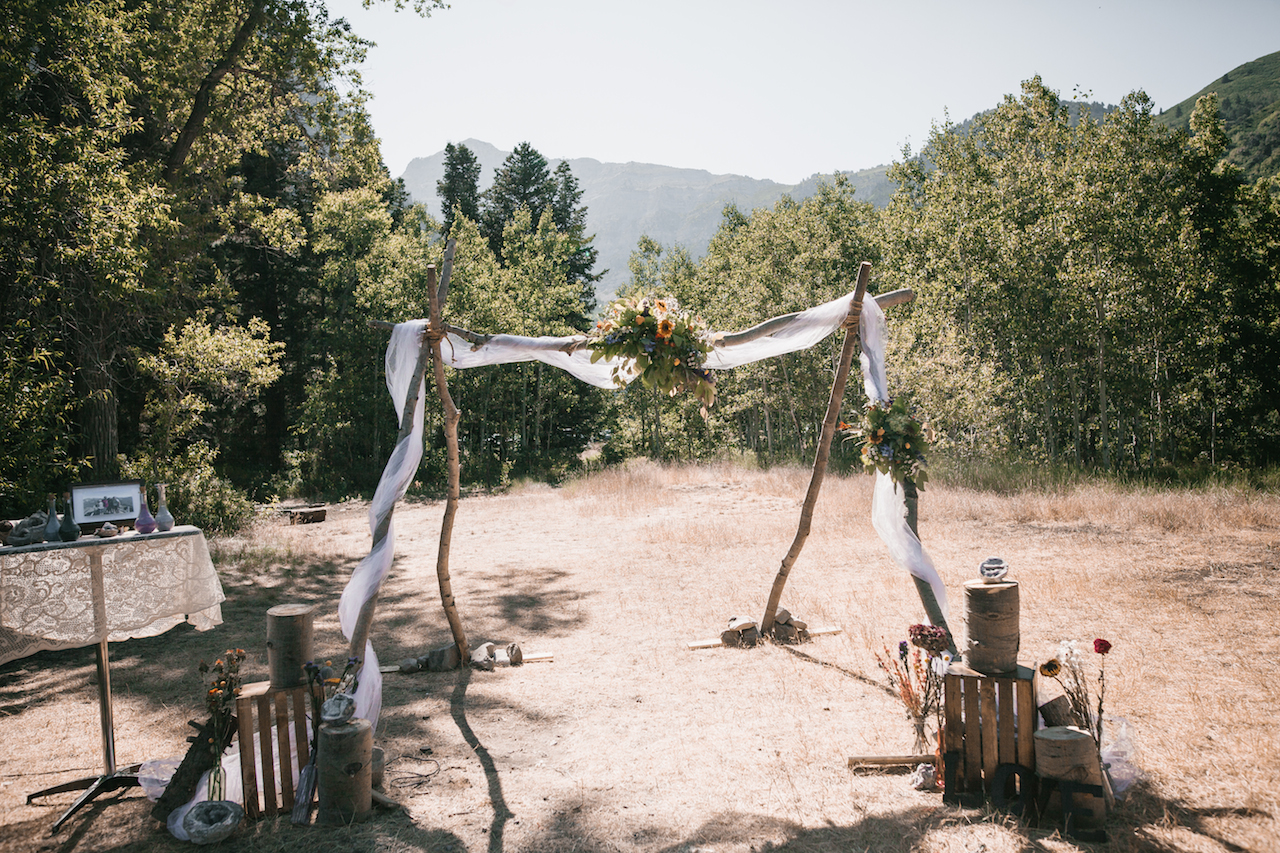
[459, 189]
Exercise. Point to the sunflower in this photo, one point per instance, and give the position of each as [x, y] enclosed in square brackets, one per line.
[665, 328]
[1050, 668]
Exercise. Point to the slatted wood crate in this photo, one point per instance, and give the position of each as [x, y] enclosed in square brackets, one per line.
[259, 709]
[988, 720]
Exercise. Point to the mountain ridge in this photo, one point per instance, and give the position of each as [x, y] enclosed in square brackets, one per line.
[673, 205]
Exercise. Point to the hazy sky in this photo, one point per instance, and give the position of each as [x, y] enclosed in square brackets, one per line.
[777, 90]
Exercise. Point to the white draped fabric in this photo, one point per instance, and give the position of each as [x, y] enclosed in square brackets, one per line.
[797, 332]
[888, 502]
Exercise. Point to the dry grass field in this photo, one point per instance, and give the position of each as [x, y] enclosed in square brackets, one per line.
[629, 741]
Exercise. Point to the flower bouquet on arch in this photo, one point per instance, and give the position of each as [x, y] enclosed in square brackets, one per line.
[891, 440]
[658, 342]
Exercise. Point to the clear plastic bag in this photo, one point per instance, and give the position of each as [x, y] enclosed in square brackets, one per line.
[1119, 753]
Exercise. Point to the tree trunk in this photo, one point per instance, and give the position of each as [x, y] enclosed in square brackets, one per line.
[203, 102]
[100, 413]
[1104, 435]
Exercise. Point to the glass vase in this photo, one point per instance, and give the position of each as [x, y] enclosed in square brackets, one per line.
[146, 522]
[164, 518]
[217, 783]
[69, 531]
[51, 525]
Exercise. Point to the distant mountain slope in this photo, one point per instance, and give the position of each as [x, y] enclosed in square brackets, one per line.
[627, 200]
[1249, 101]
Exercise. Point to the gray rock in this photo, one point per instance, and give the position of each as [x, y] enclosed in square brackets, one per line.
[410, 665]
[211, 821]
[782, 617]
[515, 656]
[441, 660]
[338, 710]
[29, 531]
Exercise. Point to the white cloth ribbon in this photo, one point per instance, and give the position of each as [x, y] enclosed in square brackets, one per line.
[888, 502]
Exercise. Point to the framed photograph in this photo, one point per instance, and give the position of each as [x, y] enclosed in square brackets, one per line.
[93, 504]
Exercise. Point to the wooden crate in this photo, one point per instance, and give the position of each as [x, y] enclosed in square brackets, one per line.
[988, 721]
[259, 709]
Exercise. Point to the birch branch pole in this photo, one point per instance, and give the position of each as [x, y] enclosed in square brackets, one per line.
[435, 333]
[824, 448]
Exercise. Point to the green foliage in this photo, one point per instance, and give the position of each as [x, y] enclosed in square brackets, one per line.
[1093, 274]
[195, 492]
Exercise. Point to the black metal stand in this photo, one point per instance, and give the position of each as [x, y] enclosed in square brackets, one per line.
[111, 779]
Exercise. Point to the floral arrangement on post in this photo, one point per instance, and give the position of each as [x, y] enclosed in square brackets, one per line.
[891, 440]
[224, 687]
[663, 344]
[915, 675]
[1068, 670]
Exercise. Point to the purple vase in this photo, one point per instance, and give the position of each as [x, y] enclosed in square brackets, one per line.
[146, 522]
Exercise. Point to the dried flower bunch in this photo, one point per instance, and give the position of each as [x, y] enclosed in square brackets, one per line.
[915, 675]
[663, 344]
[1068, 670]
[891, 440]
[220, 699]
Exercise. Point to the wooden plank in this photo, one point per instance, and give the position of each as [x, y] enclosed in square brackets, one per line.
[283, 750]
[1026, 723]
[889, 760]
[953, 720]
[301, 731]
[248, 774]
[270, 806]
[1006, 753]
[972, 736]
[990, 734]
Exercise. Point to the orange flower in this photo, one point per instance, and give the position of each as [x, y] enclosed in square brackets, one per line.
[665, 328]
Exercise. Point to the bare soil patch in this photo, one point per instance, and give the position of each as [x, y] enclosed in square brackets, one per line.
[628, 741]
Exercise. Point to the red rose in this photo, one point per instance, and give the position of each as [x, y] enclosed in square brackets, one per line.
[1101, 646]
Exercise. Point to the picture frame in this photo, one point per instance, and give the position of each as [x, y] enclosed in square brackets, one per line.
[94, 504]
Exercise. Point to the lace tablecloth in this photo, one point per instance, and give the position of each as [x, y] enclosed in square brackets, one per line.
[66, 595]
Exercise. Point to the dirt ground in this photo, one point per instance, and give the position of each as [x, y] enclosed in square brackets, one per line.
[629, 741]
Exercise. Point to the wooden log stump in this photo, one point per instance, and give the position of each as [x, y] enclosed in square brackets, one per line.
[1070, 753]
[290, 628]
[991, 626]
[344, 772]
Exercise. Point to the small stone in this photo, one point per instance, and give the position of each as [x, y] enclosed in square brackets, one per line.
[514, 655]
[784, 634]
[924, 777]
[797, 624]
[750, 636]
[210, 821]
[482, 657]
[740, 623]
[782, 617]
[410, 665]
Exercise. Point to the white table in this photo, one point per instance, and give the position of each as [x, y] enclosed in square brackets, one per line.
[68, 595]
